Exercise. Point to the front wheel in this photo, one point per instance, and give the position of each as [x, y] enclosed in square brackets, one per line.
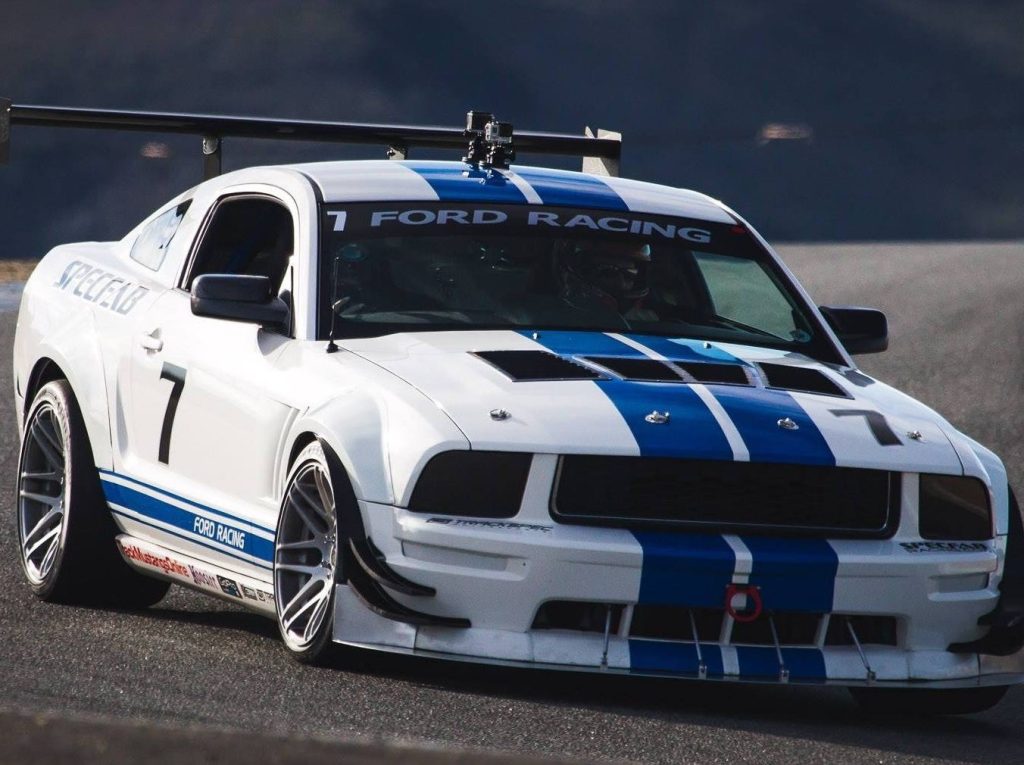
[65, 531]
[928, 701]
[306, 558]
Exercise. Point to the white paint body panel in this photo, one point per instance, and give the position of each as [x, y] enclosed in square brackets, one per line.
[386, 405]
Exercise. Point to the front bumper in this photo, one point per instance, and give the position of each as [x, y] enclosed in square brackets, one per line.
[497, 574]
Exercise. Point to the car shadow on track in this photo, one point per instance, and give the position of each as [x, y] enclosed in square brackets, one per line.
[818, 714]
[813, 715]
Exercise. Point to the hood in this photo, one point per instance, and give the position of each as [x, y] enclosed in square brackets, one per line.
[602, 393]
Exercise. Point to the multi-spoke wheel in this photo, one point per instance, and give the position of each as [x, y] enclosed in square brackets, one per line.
[65, 531]
[41, 493]
[306, 557]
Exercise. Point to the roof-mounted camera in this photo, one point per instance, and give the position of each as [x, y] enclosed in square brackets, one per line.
[490, 141]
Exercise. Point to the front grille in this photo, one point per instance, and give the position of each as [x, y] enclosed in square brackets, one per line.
[744, 497]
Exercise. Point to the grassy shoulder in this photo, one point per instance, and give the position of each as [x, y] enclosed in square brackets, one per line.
[16, 270]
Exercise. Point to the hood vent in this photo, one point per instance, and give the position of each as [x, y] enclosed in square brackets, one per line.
[643, 370]
[652, 370]
[800, 379]
[524, 366]
[730, 374]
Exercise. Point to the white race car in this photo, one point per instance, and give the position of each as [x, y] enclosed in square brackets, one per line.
[505, 414]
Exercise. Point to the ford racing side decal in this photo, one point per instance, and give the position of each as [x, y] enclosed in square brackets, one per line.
[195, 523]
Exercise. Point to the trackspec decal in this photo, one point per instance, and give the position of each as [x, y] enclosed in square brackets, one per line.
[97, 285]
[490, 524]
[522, 219]
[916, 547]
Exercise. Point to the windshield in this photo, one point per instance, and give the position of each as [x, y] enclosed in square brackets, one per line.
[398, 267]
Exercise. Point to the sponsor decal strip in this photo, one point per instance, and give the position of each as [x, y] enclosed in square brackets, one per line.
[206, 530]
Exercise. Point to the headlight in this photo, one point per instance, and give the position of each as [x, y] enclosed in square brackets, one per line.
[475, 484]
[954, 507]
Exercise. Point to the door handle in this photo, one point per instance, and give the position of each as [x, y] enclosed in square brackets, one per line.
[151, 340]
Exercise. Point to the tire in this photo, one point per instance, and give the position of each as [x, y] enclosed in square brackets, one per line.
[922, 702]
[306, 557]
[66, 535]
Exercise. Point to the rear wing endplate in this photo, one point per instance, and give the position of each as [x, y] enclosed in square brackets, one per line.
[600, 152]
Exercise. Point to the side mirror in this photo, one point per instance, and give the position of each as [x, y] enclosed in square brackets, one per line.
[860, 330]
[238, 297]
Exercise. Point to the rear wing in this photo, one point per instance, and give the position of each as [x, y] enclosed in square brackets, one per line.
[490, 143]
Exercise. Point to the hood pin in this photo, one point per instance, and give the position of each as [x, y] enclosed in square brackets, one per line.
[657, 418]
[787, 424]
[914, 435]
[500, 414]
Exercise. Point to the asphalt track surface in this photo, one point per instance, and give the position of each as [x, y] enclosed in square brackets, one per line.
[198, 680]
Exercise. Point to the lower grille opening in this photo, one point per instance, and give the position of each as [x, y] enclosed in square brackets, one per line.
[871, 630]
[673, 623]
[792, 629]
[578, 616]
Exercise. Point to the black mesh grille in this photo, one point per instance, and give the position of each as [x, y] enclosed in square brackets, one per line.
[723, 496]
[536, 365]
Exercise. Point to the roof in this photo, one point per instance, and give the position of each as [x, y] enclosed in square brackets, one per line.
[433, 181]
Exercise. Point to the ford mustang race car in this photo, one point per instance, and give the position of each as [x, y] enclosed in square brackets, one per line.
[511, 414]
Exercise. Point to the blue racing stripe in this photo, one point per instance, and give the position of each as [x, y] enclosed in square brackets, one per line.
[571, 189]
[794, 574]
[186, 500]
[680, 349]
[462, 183]
[682, 569]
[762, 661]
[581, 343]
[208, 531]
[677, 658]
[756, 413]
[692, 430]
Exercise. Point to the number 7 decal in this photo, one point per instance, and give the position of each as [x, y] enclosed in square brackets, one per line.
[177, 376]
[876, 421]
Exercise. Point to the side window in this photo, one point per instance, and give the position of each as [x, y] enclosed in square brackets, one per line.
[743, 291]
[151, 245]
[246, 235]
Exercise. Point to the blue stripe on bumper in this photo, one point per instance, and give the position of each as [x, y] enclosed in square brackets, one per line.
[677, 658]
[684, 569]
[794, 574]
[762, 661]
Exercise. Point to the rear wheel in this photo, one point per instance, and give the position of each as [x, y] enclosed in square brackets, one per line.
[65, 532]
[923, 701]
[306, 558]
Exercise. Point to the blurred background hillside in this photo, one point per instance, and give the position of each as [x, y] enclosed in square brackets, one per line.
[881, 119]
